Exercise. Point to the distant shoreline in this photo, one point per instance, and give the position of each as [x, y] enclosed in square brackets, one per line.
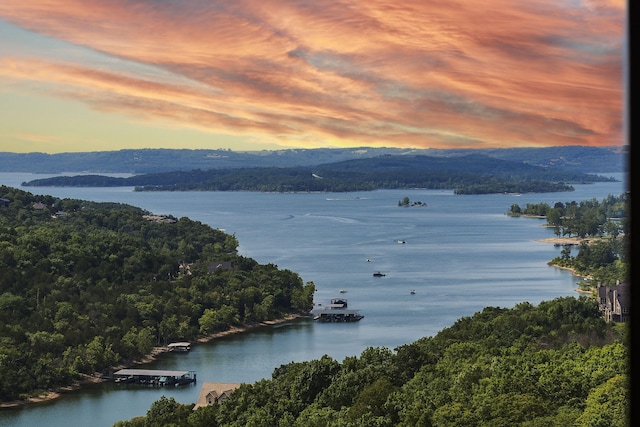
[157, 351]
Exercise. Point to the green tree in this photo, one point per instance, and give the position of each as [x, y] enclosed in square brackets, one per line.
[607, 405]
[166, 412]
[371, 400]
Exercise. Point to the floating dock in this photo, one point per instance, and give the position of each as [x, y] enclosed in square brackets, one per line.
[154, 377]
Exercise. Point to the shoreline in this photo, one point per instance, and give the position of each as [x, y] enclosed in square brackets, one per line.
[97, 378]
[574, 274]
[568, 241]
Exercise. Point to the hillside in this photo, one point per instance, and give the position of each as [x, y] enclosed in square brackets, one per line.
[555, 364]
[141, 161]
[86, 286]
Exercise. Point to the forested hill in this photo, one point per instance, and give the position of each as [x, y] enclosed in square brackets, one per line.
[85, 286]
[468, 174]
[140, 161]
[555, 364]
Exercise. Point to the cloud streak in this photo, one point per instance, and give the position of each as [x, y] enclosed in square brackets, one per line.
[338, 73]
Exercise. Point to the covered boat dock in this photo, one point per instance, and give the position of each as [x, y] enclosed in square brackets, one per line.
[154, 377]
[179, 346]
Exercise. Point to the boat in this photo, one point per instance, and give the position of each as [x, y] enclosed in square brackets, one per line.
[378, 274]
[336, 311]
[343, 291]
[413, 291]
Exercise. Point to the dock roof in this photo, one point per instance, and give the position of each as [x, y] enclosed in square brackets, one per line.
[179, 344]
[151, 372]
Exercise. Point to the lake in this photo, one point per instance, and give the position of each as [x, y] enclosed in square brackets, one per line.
[460, 254]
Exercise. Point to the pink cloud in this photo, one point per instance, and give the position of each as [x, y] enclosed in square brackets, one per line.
[412, 73]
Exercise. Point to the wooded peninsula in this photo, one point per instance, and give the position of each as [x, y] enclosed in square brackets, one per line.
[87, 286]
[601, 228]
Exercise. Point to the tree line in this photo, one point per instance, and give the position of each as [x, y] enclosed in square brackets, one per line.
[555, 364]
[470, 174]
[86, 286]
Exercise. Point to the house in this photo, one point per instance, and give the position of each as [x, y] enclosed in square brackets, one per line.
[160, 219]
[39, 206]
[4, 202]
[220, 265]
[211, 393]
[615, 302]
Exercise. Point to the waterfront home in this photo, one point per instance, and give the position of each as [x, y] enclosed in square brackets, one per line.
[615, 302]
[211, 393]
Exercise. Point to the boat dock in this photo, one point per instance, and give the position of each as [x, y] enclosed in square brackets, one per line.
[336, 311]
[180, 346]
[154, 377]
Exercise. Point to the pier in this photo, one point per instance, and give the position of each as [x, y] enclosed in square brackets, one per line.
[154, 377]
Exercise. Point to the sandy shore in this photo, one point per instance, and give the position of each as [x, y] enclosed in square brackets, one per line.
[157, 351]
[564, 240]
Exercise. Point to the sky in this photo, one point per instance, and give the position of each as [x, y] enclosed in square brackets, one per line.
[101, 75]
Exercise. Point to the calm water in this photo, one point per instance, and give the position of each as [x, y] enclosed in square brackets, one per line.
[462, 253]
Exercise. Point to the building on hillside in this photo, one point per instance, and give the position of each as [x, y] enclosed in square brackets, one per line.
[615, 302]
[211, 393]
[220, 265]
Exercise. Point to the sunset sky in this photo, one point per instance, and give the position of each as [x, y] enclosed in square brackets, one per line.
[90, 75]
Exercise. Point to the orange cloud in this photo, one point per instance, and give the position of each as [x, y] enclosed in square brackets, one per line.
[413, 73]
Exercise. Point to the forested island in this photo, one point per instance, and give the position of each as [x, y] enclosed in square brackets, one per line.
[87, 286]
[468, 174]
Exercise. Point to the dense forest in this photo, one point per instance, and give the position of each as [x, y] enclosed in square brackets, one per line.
[603, 227]
[86, 286]
[555, 364]
[470, 174]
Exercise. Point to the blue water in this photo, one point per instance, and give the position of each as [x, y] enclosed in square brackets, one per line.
[462, 253]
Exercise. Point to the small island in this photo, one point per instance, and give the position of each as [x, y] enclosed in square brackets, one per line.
[406, 202]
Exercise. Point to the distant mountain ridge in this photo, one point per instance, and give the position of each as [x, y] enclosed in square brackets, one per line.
[142, 161]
